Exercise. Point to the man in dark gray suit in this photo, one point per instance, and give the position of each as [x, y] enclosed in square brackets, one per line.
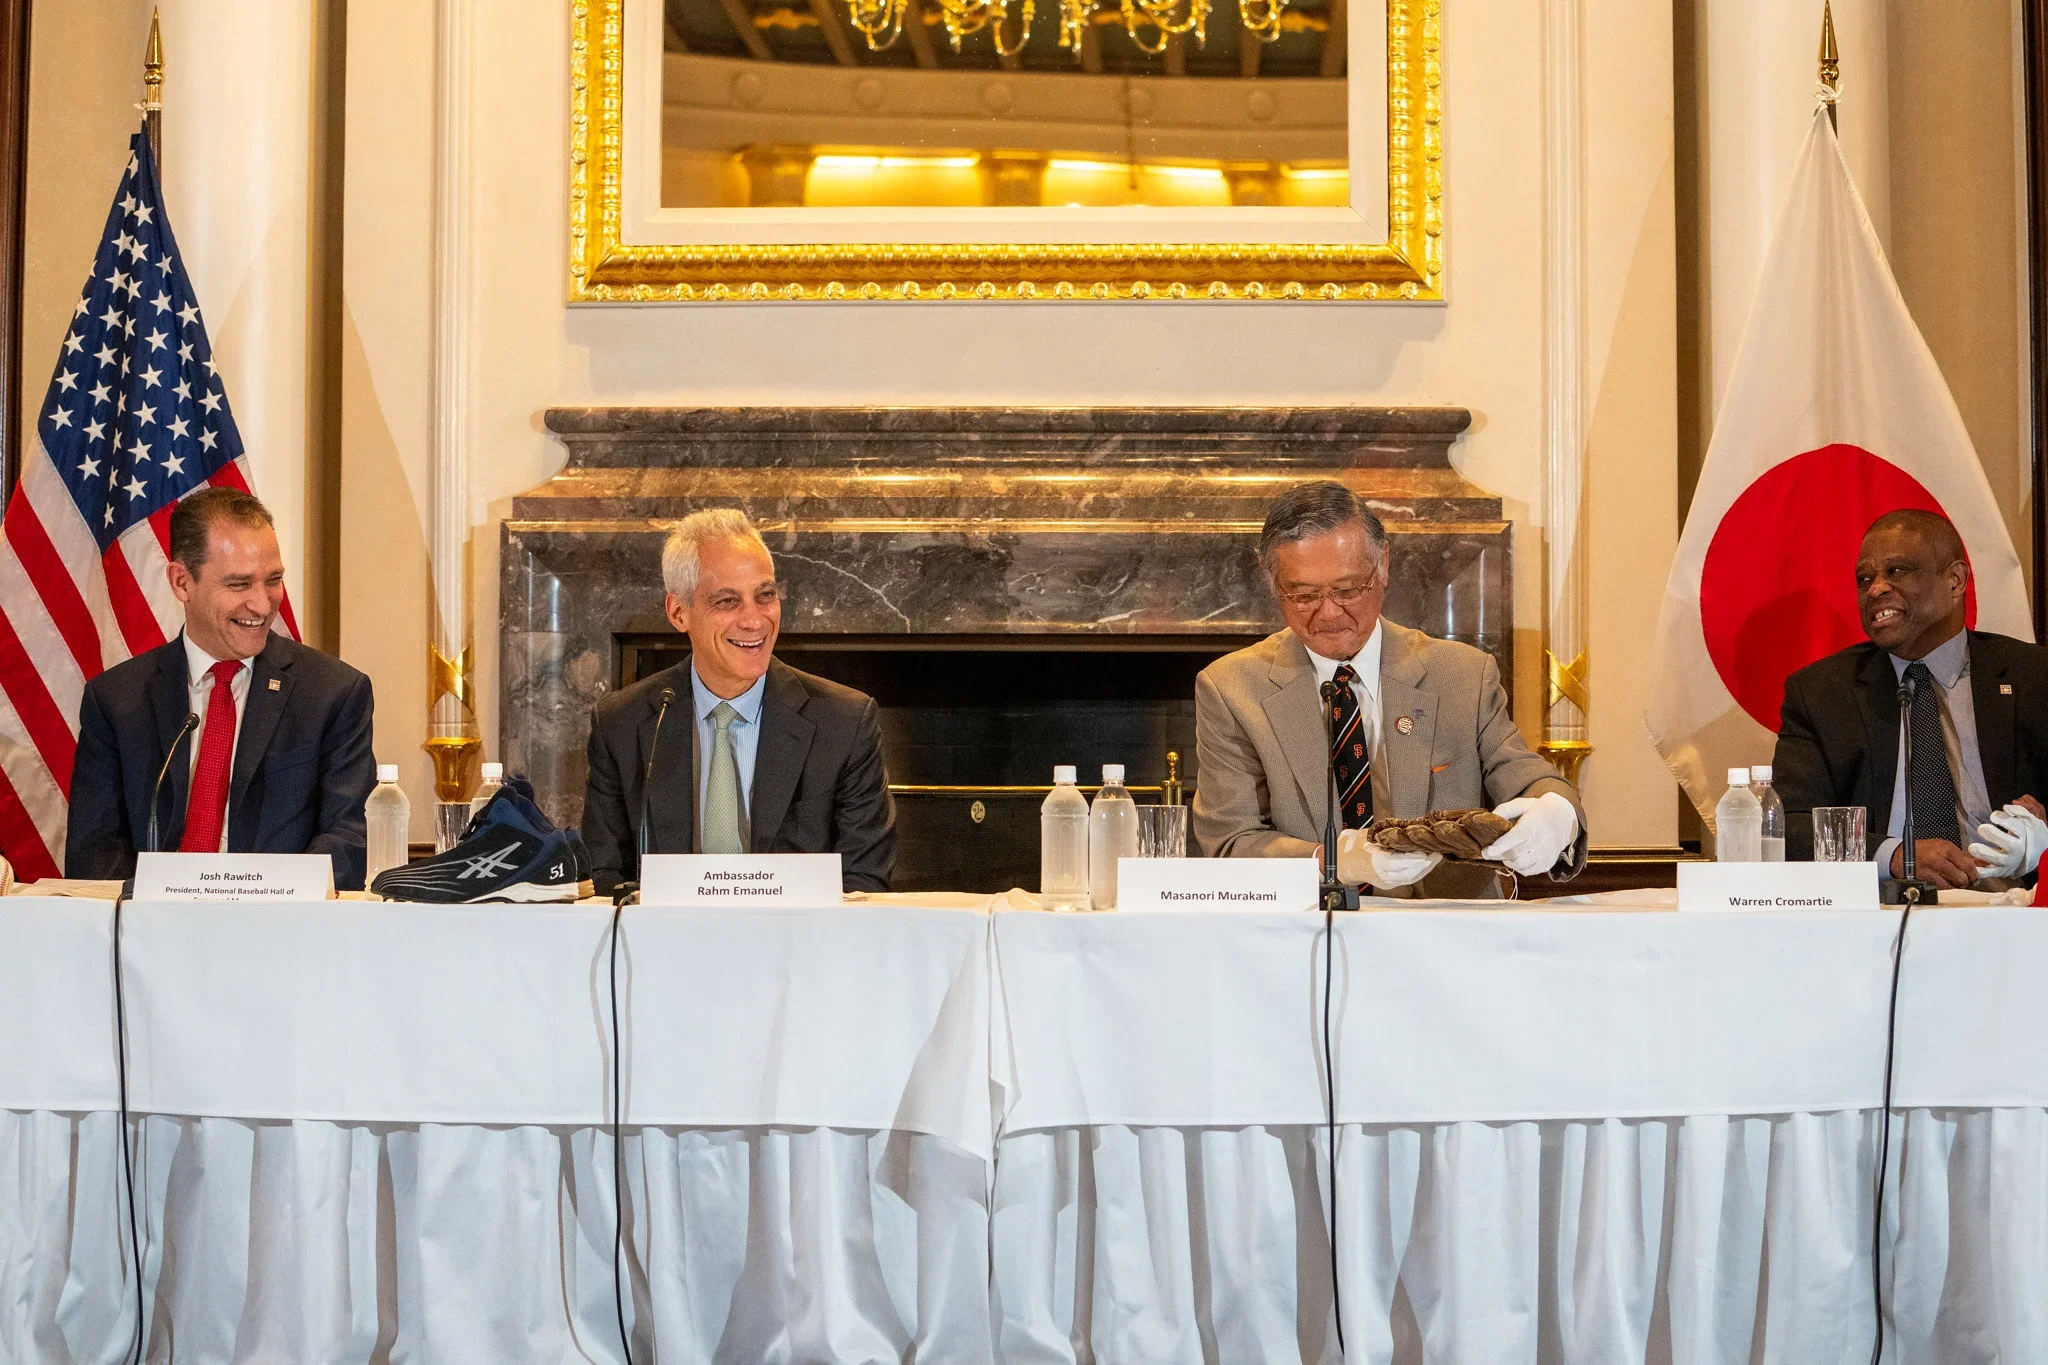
[755, 756]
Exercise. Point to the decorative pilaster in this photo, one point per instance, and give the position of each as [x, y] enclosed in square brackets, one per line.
[452, 738]
[1567, 698]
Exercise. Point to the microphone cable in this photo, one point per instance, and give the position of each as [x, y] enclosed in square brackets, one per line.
[1332, 897]
[625, 892]
[136, 1343]
[1884, 1132]
[1330, 1085]
[618, 1166]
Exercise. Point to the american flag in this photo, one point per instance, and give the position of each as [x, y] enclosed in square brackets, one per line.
[135, 418]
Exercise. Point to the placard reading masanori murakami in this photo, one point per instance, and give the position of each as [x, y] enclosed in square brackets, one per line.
[1216, 884]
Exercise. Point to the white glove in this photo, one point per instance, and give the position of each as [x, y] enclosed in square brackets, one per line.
[2014, 841]
[1546, 827]
[1361, 861]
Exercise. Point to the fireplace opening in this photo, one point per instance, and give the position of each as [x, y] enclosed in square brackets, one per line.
[973, 724]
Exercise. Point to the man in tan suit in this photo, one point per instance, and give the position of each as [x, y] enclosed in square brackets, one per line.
[1404, 724]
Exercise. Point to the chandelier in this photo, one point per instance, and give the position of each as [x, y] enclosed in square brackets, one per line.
[1151, 24]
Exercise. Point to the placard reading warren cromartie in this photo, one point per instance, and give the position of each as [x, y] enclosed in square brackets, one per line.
[234, 877]
[1216, 884]
[1777, 886]
[701, 879]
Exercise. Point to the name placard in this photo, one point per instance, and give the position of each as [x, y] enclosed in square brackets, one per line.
[701, 879]
[234, 877]
[1777, 886]
[1216, 884]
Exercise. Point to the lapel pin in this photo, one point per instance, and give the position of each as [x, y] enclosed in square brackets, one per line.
[1405, 724]
[276, 686]
[2005, 689]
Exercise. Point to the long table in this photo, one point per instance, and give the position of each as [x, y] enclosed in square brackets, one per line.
[960, 1132]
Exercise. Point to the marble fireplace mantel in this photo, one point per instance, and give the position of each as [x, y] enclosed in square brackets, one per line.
[964, 522]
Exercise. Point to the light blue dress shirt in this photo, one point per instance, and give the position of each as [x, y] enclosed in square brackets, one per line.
[1949, 663]
[746, 742]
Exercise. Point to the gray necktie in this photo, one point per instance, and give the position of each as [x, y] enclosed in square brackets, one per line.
[722, 793]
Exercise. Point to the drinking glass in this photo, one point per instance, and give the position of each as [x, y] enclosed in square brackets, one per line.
[1162, 831]
[1840, 834]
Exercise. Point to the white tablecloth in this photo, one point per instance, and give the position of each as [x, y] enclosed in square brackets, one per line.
[1567, 1137]
[1216, 1019]
[872, 1017]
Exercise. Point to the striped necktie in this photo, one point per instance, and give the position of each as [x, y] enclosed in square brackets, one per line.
[1349, 758]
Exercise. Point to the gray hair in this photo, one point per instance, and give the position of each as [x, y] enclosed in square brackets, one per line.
[679, 553]
[1308, 510]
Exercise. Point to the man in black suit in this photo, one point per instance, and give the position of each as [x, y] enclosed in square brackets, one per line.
[1980, 718]
[754, 756]
[278, 756]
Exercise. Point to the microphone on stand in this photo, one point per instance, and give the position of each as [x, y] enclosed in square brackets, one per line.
[156, 793]
[1335, 894]
[1908, 888]
[626, 889]
[137, 1344]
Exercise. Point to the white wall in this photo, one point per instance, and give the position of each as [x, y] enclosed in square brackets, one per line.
[1481, 351]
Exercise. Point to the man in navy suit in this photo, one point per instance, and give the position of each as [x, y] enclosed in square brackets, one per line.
[277, 758]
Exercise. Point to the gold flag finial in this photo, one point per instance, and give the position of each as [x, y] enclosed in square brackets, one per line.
[153, 68]
[1830, 59]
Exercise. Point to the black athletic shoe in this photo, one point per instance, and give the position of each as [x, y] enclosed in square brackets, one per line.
[510, 852]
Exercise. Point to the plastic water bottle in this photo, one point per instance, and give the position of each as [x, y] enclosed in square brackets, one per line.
[1112, 834]
[389, 816]
[1063, 844]
[1773, 812]
[1739, 822]
[494, 778]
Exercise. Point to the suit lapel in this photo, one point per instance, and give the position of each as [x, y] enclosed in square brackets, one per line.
[260, 715]
[1996, 722]
[1404, 758]
[170, 698]
[1877, 697]
[779, 756]
[1295, 711]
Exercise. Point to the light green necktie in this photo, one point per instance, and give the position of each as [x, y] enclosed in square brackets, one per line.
[722, 793]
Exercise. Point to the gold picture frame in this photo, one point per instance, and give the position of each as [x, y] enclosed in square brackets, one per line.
[605, 268]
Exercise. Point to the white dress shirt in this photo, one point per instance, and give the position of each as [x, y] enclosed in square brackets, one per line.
[1366, 664]
[199, 684]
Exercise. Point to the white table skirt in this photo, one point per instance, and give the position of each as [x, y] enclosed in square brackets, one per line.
[1698, 1241]
[315, 1241]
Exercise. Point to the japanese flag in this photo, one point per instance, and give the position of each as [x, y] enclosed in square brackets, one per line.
[1835, 414]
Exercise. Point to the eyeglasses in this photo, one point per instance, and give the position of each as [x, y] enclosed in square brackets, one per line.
[1342, 595]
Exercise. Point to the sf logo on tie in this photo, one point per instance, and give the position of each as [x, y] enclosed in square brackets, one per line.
[489, 864]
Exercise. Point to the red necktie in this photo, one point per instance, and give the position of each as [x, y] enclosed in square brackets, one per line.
[208, 805]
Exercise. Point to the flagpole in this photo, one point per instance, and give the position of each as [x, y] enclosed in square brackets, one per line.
[153, 92]
[1830, 61]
